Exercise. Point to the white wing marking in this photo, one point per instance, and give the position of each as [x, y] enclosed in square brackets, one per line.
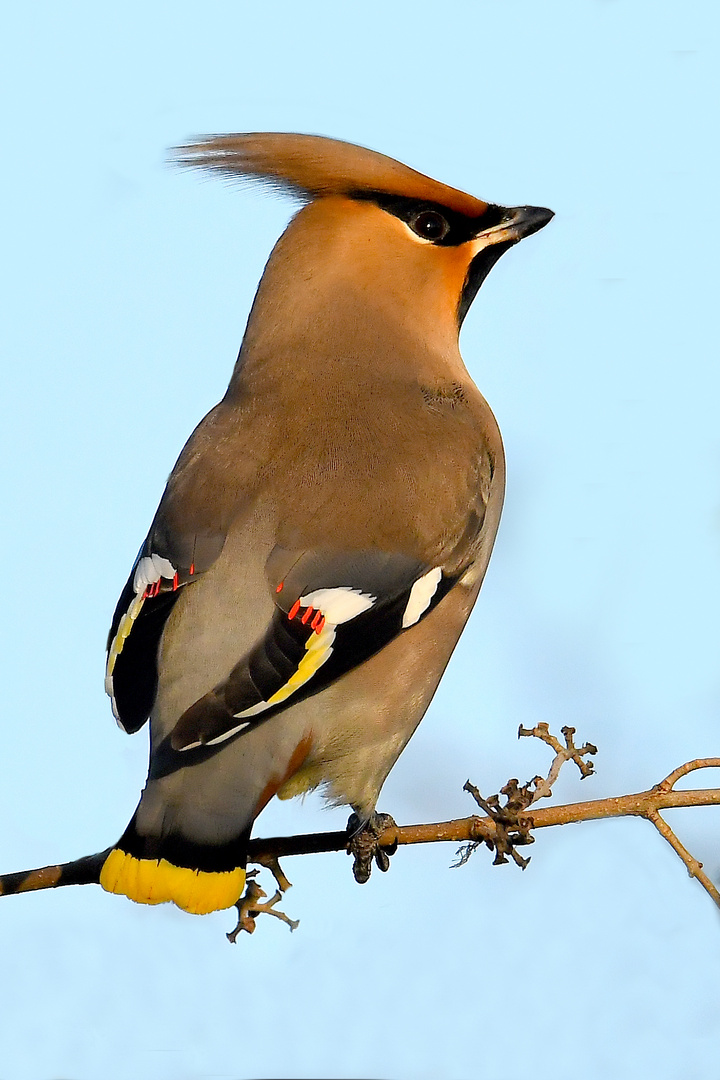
[340, 604]
[421, 594]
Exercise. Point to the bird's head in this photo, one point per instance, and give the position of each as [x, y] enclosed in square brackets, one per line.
[372, 232]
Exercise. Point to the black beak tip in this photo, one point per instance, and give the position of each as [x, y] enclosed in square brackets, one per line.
[530, 219]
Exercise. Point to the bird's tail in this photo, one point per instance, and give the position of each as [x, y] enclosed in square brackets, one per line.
[199, 878]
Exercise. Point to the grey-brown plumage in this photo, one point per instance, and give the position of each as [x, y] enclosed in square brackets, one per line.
[324, 533]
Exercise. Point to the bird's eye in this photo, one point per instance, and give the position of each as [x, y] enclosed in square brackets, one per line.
[429, 225]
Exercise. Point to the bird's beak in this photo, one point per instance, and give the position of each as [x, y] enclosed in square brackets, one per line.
[512, 224]
[516, 223]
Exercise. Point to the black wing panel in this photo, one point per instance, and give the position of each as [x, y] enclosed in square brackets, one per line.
[131, 675]
[324, 625]
[135, 675]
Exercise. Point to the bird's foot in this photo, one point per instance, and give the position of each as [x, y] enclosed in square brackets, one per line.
[253, 903]
[271, 863]
[363, 844]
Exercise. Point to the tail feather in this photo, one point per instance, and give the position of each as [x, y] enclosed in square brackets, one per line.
[197, 878]
[157, 881]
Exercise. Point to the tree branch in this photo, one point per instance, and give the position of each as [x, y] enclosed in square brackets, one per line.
[641, 804]
[501, 828]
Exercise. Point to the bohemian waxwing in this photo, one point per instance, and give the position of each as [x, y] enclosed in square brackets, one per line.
[323, 536]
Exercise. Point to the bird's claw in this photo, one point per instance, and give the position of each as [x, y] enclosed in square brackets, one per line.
[363, 845]
[254, 901]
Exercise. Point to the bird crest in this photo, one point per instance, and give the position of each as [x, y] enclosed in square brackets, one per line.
[309, 167]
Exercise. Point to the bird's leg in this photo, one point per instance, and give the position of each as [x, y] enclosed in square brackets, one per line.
[251, 904]
[271, 863]
[363, 837]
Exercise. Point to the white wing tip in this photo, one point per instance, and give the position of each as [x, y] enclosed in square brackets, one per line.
[421, 594]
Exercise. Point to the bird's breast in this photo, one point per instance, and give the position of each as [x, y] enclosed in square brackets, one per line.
[400, 469]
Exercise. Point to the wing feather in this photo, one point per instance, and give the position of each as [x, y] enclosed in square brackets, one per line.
[334, 611]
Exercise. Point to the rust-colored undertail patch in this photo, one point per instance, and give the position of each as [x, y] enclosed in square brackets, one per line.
[297, 759]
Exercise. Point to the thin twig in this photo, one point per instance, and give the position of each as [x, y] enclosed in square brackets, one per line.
[694, 867]
[569, 752]
[690, 766]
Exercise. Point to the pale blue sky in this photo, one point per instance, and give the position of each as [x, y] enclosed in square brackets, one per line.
[126, 288]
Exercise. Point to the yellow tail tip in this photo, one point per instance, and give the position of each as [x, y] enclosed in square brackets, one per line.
[157, 881]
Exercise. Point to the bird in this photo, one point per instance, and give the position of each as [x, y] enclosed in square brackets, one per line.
[325, 531]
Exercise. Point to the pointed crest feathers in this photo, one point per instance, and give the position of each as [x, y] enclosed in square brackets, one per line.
[311, 167]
